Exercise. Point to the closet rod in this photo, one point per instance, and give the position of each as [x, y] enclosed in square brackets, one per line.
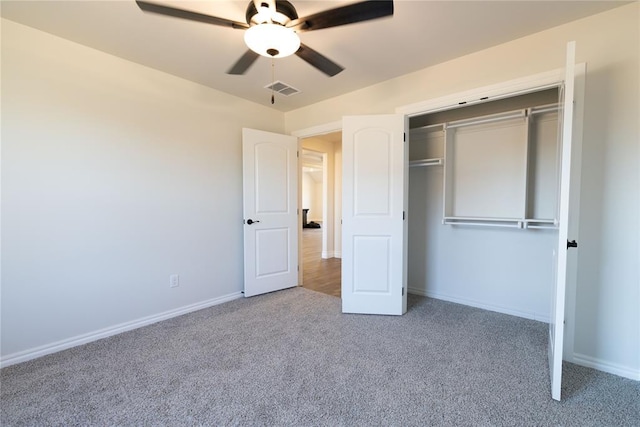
[482, 218]
[542, 227]
[433, 126]
[541, 221]
[545, 109]
[484, 224]
[426, 162]
[547, 224]
[490, 119]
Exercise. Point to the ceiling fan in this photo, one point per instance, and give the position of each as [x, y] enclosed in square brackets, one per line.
[272, 28]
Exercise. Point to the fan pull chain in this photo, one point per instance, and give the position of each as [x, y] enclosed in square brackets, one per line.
[273, 82]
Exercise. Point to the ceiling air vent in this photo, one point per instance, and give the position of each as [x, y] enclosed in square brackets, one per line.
[282, 88]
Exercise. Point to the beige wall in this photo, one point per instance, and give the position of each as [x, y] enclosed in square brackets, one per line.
[607, 321]
[114, 176]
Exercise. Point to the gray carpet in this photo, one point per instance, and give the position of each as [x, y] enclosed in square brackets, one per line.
[291, 358]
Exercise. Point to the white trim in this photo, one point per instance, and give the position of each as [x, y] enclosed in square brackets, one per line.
[509, 88]
[57, 346]
[331, 254]
[601, 365]
[473, 303]
[318, 130]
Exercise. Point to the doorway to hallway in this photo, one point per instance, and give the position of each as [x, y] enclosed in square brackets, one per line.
[320, 205]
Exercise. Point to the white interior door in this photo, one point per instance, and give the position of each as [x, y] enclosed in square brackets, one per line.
[373, 215]
[570, 149]
[270, 190]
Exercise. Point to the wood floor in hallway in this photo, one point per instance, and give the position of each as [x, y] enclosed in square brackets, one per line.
[321, 275]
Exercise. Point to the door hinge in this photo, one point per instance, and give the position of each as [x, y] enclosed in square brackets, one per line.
[402, 291]
[404, 136]
[403, 215]
[298, 154]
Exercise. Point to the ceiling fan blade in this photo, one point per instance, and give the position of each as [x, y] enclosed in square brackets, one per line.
[344, 15]
[242, 65]
[318, 60]
[186, 14]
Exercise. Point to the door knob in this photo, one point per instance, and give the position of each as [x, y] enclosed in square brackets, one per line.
[571, 244]
[250, 221]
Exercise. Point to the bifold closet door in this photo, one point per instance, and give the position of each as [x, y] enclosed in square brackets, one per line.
[571, 148]
[373, 215]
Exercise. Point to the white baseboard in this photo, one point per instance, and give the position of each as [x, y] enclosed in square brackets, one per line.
[602, 365]
[480, 304]
[43, 350]
[331, 254]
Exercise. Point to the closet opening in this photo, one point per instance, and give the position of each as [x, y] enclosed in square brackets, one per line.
[483, 204]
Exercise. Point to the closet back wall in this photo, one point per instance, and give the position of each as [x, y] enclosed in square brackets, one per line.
[501, 269]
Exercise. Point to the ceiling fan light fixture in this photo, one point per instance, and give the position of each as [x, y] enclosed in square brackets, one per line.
[272, 26]
[272, 40]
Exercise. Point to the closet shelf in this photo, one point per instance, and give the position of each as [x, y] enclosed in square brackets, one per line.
[426, 162]
[509, 115]
[484, 222]
[546, 224]
[550, 224]
[551, 108]
[542, 227]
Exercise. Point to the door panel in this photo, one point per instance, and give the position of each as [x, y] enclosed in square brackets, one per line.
[371, 272]
[372, 179]
[373, 204]
[273, 246]
[270, 188]
[271, 178]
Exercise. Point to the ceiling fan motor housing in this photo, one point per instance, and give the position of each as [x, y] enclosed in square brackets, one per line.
[284, 13]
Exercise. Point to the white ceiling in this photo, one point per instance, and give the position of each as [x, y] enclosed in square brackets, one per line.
[420, 34]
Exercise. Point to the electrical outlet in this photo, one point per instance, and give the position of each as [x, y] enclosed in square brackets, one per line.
[174, 281]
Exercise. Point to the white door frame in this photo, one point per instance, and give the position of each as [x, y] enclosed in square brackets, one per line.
[519, 86]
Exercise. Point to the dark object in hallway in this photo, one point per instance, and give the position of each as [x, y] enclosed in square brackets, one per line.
[306, 224]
